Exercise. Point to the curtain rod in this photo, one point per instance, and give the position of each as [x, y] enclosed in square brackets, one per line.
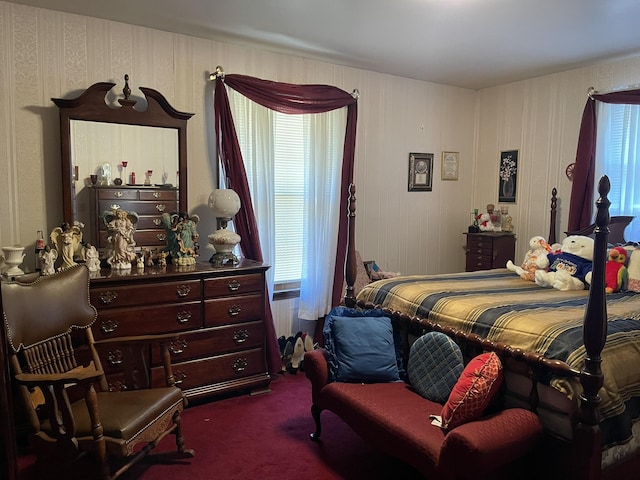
[592, 91]
[218, 73]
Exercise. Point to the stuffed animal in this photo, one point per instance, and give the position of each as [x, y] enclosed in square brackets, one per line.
[570, 269]
[484, 222]
[615, 271]
[538, 247]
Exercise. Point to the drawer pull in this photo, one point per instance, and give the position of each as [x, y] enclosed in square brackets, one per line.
[108, 297]
[183, 317]
[234, 285]
[115, 206]
[183, 290]
[240, 365]
[116, 357]
[156, 194]
[108, 326]
[240, 336]
[157, 222]
[118, 194]
[161, 207]
[161, 236]
[118, 386]
[234, 310]
[177, 347]
[179, 376]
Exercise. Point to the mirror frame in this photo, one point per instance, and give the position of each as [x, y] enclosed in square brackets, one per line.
[91, 106]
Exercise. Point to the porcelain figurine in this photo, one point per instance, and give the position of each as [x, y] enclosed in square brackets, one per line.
[48, 258]
[182, 237]
[91, 257]
[121, 226]
[66, 239]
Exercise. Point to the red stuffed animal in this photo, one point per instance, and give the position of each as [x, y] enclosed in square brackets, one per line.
[615, 270]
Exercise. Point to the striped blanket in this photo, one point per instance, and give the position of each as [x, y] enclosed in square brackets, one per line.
[498, 305]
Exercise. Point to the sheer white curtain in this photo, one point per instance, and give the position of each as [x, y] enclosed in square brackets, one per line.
[618, 156]
[317, 174]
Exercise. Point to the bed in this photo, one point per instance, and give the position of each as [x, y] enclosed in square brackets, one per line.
[571, 356]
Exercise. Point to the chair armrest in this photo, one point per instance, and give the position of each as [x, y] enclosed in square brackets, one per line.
[491, 442]
[77, 375]
[316, 369]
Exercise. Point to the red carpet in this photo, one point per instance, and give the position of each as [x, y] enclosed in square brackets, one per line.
[263, 437]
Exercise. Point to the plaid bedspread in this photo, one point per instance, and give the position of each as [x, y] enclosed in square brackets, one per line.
[500, 306]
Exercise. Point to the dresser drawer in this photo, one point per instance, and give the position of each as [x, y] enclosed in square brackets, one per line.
[238, 284]
[147, 294]
[213, 370]
[201, 343]
[111, 194]
[141, 208]
[149, 222]
[153, 238]
[225, 311]
[479, 242]
[147, 320]
[168, 195]
[478, 262]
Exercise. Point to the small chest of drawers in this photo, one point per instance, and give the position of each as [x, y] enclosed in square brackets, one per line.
[488, 250]
[217, 317]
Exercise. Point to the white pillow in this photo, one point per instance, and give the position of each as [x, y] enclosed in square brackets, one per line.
[633, 269]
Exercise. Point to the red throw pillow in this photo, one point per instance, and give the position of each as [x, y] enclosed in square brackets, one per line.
[474, 390]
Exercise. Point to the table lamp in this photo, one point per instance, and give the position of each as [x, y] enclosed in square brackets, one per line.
[224, 203]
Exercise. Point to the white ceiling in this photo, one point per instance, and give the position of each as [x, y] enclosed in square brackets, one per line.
[466, 43]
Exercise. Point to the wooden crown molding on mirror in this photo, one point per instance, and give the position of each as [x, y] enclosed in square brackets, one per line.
[92, 106]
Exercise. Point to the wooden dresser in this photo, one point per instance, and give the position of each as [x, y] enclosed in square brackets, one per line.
[486, 250]
[217, 315]
[148, 202]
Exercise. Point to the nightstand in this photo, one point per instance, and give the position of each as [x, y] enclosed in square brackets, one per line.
[486, 250]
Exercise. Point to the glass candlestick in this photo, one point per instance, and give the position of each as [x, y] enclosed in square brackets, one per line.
[148, 174]
[124, 171]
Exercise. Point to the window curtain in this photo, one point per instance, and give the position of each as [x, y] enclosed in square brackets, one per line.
[284, 98]
[581, 205]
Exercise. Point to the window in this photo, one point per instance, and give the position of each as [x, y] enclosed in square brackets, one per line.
[618, 156]
[293, 165]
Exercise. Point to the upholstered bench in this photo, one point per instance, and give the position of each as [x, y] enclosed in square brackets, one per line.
[397, 420]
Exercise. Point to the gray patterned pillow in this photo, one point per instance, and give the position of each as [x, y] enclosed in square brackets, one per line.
[435, 364]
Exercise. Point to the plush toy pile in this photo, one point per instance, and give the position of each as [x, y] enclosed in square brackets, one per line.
[568, 269]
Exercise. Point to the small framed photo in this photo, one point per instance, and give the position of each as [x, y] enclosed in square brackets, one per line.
[450, 164]
[420, 172]
[508, 176]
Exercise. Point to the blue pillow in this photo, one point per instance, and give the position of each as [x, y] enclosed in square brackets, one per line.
[361, 348]
[434, 366]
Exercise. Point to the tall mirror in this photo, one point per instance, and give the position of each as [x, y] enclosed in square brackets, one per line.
[112, 140]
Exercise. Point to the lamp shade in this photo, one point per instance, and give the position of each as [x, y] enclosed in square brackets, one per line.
[225, 203]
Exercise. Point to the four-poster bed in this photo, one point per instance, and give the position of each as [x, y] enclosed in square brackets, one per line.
[584, 389]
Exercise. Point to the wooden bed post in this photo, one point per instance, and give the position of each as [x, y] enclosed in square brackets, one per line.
[587, 449]
[351, 267]
[552, 223]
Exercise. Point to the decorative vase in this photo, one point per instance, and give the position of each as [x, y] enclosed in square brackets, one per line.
[13, 257]
[508, 187]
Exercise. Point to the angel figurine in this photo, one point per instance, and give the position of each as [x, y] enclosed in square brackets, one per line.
[48, 258]
[182, 237]
[91, 257]
[66, 238]
[121, 226]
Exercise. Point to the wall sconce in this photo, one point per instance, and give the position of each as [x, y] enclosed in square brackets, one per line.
[225, 204]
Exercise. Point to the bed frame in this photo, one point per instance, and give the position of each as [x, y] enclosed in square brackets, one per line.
[581, 458]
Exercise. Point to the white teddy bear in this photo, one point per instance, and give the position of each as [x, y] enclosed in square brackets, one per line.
[538, 247]
[569, 269]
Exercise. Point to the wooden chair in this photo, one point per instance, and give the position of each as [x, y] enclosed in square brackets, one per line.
[44, 320]
[617, 225]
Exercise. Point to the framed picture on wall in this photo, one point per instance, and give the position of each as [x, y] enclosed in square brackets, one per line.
[508, 176]
[450, 164]
[420, 172]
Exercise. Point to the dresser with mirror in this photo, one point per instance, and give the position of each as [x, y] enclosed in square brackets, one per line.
[123, 152]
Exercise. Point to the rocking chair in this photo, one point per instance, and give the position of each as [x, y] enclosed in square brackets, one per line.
[44, 321]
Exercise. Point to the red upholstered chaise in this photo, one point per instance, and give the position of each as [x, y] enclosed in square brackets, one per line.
[394, 419]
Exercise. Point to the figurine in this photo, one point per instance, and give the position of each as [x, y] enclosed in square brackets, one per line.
[121, 226]
[48, 257]
[140, 261]
[182, 237]
[66, 238]
[91, 257]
